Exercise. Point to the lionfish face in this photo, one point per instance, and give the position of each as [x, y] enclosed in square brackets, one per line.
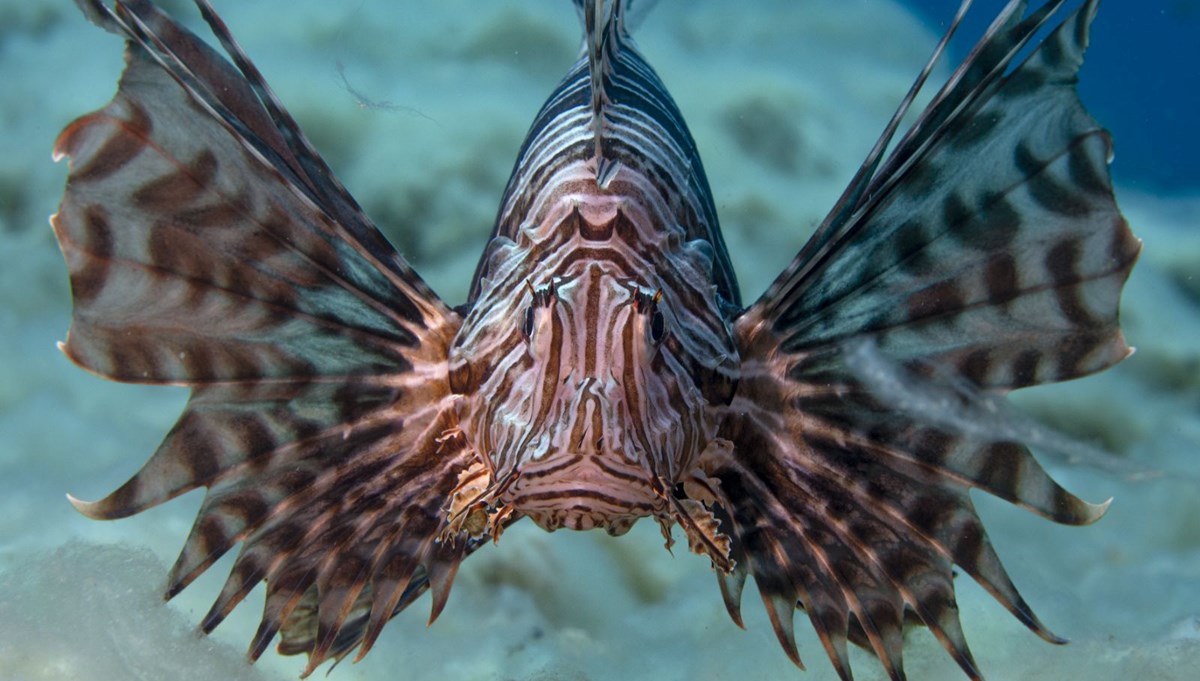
[582, 396]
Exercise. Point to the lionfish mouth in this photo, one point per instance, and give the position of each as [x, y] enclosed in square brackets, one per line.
[585, 512]
[581, 492]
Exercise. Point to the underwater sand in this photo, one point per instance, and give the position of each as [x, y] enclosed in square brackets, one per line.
[422, 126]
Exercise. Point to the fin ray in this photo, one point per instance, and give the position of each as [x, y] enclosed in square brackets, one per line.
[210, 246]
[986, 253]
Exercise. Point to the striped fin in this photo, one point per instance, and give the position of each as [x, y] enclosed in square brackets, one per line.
[208, 245]
[987, 251]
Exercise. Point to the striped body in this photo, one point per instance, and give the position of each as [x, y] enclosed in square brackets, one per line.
[359, 437]
[595, 320]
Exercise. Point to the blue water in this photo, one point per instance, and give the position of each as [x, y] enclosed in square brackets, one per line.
[1140, 81]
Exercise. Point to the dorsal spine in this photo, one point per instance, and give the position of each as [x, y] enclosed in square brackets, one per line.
[603, 22]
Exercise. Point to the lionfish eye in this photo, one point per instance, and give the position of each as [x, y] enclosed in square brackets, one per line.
[658, 327]
[646, 303]
[527, 325]
[543, 296]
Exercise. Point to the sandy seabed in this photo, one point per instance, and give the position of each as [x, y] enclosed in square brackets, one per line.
[420, 107]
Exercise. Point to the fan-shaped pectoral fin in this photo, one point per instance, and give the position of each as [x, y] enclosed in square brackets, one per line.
[209, 246]
[832, 517]
[986, 254]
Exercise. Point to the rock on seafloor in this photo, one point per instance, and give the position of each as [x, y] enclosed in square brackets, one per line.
[420, 108]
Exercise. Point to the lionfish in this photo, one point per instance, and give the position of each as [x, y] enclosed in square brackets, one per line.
[358, 437]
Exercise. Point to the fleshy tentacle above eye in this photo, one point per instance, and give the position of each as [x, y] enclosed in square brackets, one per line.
[209, 246]
[986, 252]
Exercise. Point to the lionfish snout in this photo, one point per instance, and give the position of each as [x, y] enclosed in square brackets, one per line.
[586, 469]
[589, 419]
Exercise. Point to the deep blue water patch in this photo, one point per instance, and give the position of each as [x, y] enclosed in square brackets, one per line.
[1141, 81]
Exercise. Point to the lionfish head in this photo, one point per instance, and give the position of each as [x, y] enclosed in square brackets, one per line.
[584, 398]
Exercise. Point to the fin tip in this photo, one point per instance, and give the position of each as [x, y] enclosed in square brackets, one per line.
[90, 509]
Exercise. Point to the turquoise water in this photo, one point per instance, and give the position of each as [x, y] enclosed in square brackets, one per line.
[420, 108]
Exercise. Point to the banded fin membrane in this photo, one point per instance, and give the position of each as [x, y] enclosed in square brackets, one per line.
[986, 249]
[209, 246]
